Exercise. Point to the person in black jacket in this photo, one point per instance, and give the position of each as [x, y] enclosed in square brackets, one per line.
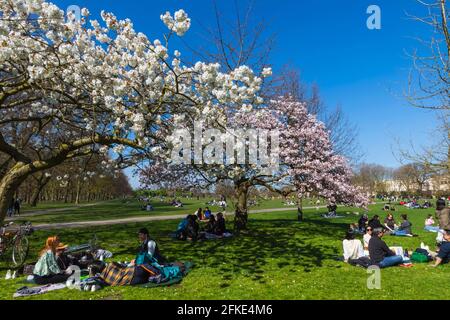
[220, 225]
[362, 223]
[379, 252]
[375, 223]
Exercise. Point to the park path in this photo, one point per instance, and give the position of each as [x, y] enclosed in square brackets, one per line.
[79, 224]
[45, 211]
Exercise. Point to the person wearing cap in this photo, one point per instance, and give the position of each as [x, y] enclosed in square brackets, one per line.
[47, 270]
[379, 252]
[148, 250]
[443, 256]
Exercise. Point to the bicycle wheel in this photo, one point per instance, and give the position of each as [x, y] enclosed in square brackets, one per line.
[20, 251]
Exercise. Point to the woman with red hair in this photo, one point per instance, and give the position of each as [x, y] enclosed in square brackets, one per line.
[46, 269]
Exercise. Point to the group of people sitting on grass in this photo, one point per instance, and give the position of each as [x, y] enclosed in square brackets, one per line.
[375, 251]
[148, 266]
[189, 228]
[389, 225]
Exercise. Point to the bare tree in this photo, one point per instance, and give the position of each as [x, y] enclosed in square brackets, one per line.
[429, 87]
[372, 177]
[235, 42]
[429, 81]
[413, 176]
[343, 133]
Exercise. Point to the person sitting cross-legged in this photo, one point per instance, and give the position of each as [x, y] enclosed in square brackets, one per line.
[379, 252]
[443, 256]
[404, 229]
[353, 248]
[220, 225]
[429, 224]
[207, 213]
[47, 270]
[211, 225]
[148, 250]
[389, 222]
[362, 222]
[375, 223]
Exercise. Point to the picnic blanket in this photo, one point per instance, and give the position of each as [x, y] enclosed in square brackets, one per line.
[26, 291]
[159, 281]
[117, 275]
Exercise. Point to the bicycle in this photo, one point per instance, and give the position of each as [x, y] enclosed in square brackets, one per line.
[14, 245]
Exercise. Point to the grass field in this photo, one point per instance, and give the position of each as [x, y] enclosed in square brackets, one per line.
[124, 209]
[278, 258]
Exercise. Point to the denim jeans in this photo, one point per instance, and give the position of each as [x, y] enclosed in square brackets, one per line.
[432, 229]
[399, 233]
[391, 261]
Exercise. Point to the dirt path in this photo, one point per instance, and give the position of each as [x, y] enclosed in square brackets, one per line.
[79, 224]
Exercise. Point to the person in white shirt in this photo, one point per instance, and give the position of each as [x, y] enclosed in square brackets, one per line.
[366, 239]
[353, 248]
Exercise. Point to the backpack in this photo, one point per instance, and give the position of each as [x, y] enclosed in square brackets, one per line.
[420, 257]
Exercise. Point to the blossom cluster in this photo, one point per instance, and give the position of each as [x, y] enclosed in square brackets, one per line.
[86, 77]
[179, 23]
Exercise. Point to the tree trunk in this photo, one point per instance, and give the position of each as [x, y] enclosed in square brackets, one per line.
[8, 186]
[42, 182]
[77, 197]
[300, 209]
[241, 210]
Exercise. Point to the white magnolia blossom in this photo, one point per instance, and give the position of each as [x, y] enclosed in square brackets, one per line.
[267, 72]
[89, 86]
[179, 24]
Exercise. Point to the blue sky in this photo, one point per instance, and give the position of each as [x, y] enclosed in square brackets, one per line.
[364, 71]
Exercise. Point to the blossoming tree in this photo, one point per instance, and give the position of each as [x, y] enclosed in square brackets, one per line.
[306, 161]
[71, 87]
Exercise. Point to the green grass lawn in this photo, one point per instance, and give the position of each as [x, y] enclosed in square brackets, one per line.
[116, 209]
[278, 258]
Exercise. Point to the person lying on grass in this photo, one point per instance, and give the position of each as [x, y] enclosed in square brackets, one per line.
[47, 270]
[379, 252]
[443, 255]
[149, 263]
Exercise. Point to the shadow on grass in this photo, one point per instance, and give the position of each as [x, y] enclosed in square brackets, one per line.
[284, 244]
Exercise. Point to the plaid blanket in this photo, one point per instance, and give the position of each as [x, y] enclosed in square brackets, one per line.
[116, 275]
